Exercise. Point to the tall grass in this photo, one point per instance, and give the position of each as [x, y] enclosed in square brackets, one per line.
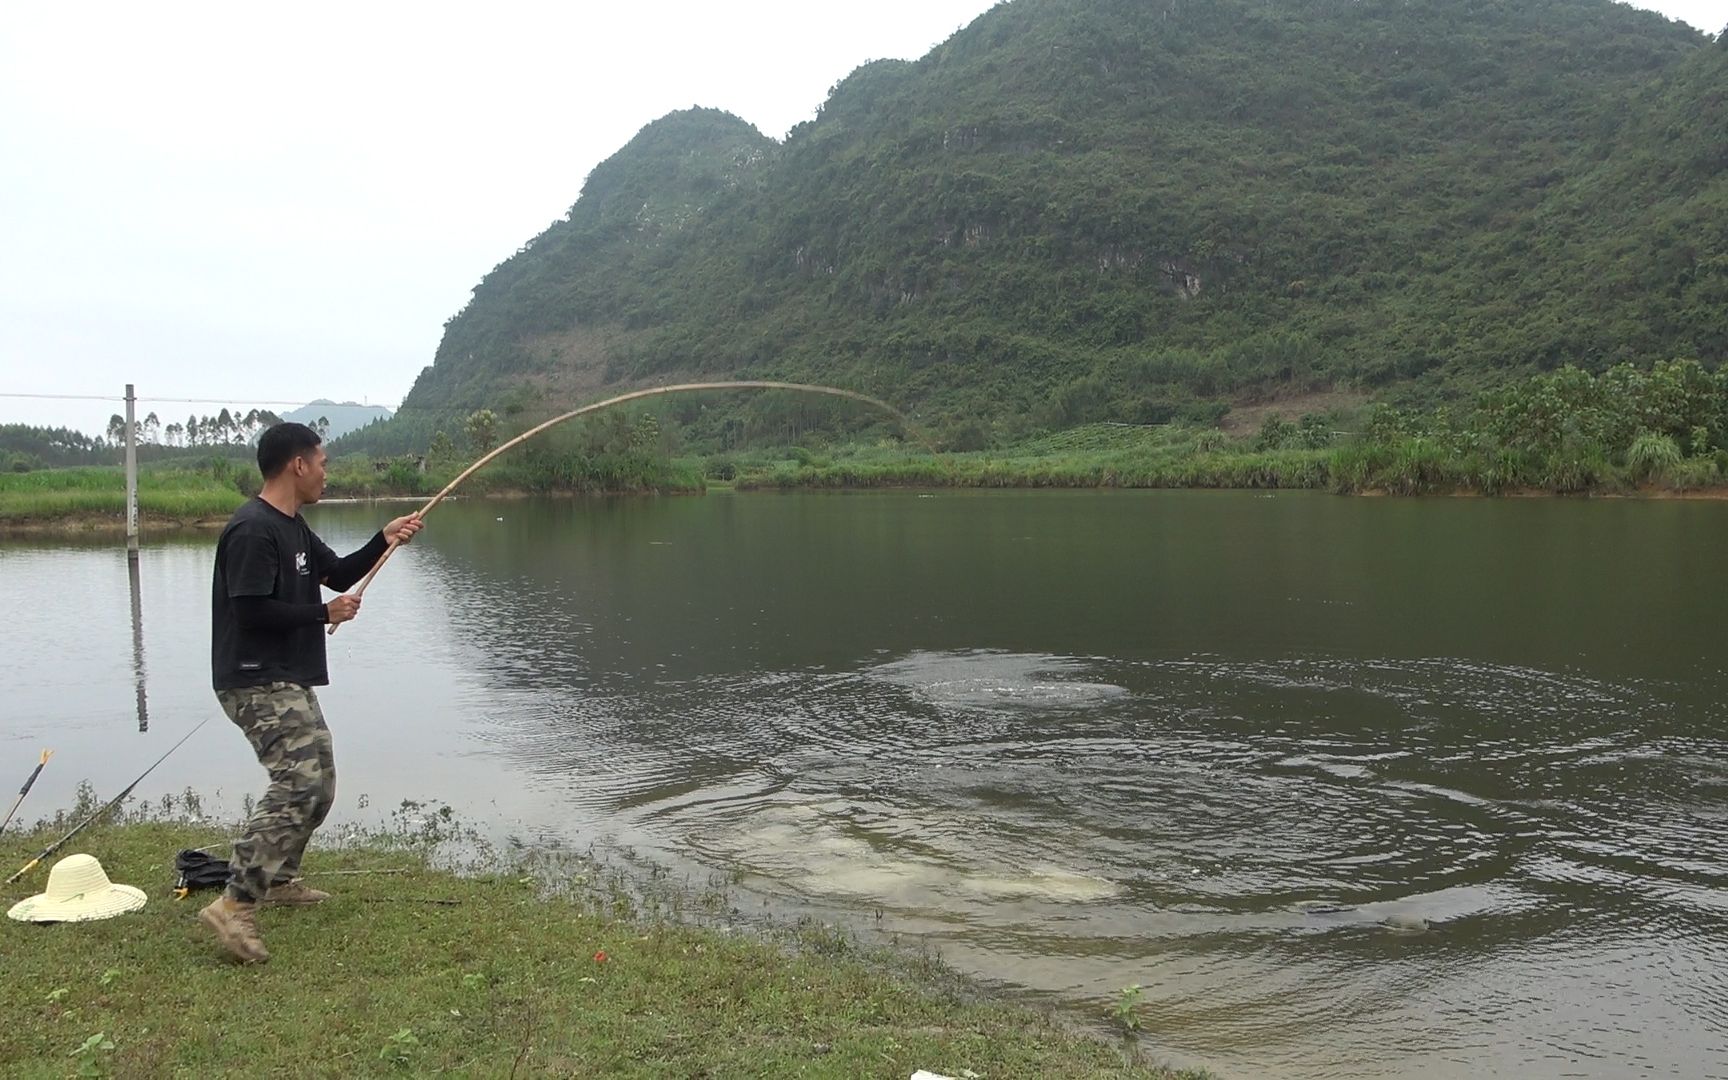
[1115, 455]
[1102, 456]
[1653, 457]
[180, 494]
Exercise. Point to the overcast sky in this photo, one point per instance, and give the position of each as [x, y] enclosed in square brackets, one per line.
[258, 204]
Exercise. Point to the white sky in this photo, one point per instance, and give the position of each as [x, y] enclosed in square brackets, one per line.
[259, 203]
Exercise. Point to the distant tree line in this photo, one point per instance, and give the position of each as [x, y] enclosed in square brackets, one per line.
[24, 447]
[226, 428]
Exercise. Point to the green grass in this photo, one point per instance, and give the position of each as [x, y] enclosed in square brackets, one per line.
[1175, 456]
[495, 973]
[525, 471]
[1095, 456]
[177, 494]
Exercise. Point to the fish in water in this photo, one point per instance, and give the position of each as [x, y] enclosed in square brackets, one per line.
[1399, 922]
[1406, 923]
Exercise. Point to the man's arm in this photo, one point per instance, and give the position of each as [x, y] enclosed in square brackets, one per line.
[269, 613]
[341, 574]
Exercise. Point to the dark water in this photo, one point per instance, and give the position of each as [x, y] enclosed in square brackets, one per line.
[1208, 743]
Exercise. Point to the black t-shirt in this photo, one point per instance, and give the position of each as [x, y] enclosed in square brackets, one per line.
[267, 615]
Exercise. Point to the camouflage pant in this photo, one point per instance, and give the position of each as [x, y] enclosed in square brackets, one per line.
[286, 728]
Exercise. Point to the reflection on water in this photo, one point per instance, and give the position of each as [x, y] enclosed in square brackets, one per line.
[136, 592]
[1351, 787]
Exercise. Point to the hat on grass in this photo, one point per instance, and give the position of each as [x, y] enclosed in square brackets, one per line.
[78, 891]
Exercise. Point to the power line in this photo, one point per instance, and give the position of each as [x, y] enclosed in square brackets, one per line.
[168, 400]
[228, 401]
[63, 397]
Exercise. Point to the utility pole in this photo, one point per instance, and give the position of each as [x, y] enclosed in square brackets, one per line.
[131, 477]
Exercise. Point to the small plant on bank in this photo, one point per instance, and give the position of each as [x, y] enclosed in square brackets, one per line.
[399, 1048]
[1126, 1013]
[86, 1053]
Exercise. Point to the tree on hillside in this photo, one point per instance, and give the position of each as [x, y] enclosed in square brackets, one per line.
[482, 429]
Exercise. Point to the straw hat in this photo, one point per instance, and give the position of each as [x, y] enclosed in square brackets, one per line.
[78, 891]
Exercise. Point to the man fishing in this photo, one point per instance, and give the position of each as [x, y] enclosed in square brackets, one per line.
[267, 631]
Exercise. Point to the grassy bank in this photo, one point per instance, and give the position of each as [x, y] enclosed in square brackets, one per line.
[96, 496]
[517, 971]
[93, 498]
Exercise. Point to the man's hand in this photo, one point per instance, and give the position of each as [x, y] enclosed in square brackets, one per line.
[402, 529]
[342, 609]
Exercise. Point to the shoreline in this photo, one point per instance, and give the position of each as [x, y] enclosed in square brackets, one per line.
[104, 524]
[85, 523]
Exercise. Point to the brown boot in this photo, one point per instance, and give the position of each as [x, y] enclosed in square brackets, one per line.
[294, 892]
[236, 927]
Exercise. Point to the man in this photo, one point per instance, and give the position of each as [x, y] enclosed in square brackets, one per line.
[267, 632]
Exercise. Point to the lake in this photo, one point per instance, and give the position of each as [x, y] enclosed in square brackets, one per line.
[1226, 746]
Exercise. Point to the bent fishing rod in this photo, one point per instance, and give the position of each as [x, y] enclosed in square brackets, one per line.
[25, 790]
[748, 384]
[112, 803]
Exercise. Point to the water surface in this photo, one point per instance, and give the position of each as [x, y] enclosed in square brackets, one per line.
[1227, 746]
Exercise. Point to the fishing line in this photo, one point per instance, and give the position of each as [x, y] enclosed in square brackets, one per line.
[751, 384]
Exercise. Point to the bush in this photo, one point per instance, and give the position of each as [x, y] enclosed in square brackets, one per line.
[1692, 474]
[1574, 469]
[1652, 457]
[965, 435]
[1210, 441]
[1275, 433]
[1314, 432]
[404, 477]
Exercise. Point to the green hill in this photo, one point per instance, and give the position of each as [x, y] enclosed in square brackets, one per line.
[1083, 210]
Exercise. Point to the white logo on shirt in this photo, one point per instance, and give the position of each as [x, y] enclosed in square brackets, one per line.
[300, 563]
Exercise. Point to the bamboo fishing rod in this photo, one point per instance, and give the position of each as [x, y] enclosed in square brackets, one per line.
[25, 790]
[749, 384]
[111, 804]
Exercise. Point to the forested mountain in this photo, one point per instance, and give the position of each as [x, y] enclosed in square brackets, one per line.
[1140, 210]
